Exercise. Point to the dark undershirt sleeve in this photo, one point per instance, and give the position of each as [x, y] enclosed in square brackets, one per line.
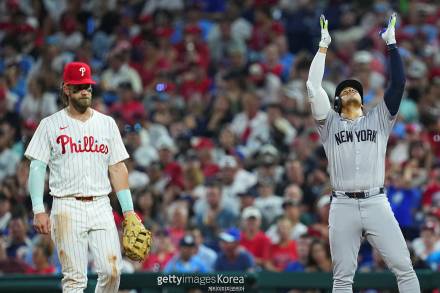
[394, 92]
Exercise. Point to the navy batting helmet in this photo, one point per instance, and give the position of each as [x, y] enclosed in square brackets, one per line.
[337, 105]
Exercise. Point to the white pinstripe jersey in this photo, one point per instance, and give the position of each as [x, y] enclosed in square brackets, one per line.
[356, 149]
[78, 153]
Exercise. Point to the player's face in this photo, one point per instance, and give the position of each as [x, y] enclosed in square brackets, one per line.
[350, 96]
[80, 96]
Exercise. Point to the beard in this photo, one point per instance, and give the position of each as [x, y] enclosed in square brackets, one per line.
[352, 102]
[82, 104]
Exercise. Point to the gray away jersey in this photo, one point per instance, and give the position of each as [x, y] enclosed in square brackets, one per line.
[356, 149]
[78, 153]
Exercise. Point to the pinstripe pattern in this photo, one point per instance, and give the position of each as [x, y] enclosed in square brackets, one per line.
[78, 155]
[78, 226]
[76, 171]
[357, 164]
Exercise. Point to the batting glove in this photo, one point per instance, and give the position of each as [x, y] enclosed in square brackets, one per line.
[389, 34]
[325, 36]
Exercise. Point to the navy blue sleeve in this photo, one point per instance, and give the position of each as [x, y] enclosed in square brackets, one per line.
[394, 92]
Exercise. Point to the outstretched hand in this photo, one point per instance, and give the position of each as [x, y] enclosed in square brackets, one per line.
[325, 36]
[388, 34]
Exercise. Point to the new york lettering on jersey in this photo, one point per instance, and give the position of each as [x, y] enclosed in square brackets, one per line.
[351, 145]
[357, 136]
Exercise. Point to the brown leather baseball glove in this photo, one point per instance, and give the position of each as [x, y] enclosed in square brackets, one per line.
[136, 240]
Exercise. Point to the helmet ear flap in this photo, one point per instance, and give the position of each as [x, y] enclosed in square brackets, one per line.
[337, 105]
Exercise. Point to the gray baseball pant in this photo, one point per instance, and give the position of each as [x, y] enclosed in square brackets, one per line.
[349, 219]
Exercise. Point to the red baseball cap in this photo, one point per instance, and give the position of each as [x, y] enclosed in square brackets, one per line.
[193, 29]
[203, 143]
[163, 32]
[77, 73]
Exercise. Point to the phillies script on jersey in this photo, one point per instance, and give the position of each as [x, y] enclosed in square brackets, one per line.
[78, 153]
[88, 145]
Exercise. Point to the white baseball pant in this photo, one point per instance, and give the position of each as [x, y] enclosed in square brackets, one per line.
[77, 226]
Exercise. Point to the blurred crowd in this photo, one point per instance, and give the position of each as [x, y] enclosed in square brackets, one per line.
[226, 167]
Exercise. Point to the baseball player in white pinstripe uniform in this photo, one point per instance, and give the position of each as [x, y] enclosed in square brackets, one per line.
[84, 151]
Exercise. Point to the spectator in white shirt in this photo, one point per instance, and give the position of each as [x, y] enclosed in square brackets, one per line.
[292, 211]
[120, 72]
[267, 202]
[251, 126]
[38, 103]
[428, 242]
[5, 213]
[235, 179]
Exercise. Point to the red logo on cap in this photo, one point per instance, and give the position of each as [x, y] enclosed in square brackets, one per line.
[77, 73]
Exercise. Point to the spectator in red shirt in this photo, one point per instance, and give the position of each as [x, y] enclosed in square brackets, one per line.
[262, 31]
[147, 68]
[283, 252]
[146, 31]
[130, 108]
[168, 54]
[178, 220]
[192, 49]
[172, 169]
[272, 60]
[252, 238]
[431, 195]
[204, 148]
[195, 82]
[432, 133]
[40, 258]
[163, 251]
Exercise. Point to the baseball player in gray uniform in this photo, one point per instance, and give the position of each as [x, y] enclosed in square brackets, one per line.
[355, 144]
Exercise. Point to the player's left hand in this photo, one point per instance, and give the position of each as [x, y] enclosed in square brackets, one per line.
[136, 240]
[325, 36]
[388, 34]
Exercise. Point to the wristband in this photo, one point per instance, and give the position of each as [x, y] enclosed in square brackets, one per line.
[124, 198]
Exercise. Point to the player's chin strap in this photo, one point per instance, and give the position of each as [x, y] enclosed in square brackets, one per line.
[37, 174]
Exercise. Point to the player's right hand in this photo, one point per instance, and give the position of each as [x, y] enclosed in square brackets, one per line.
[388, 34]
[42, 223]
[325, 36]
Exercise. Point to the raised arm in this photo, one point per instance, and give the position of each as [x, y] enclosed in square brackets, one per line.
[394, 92]
[318, 98]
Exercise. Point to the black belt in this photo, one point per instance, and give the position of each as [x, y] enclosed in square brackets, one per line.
[359, 194]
